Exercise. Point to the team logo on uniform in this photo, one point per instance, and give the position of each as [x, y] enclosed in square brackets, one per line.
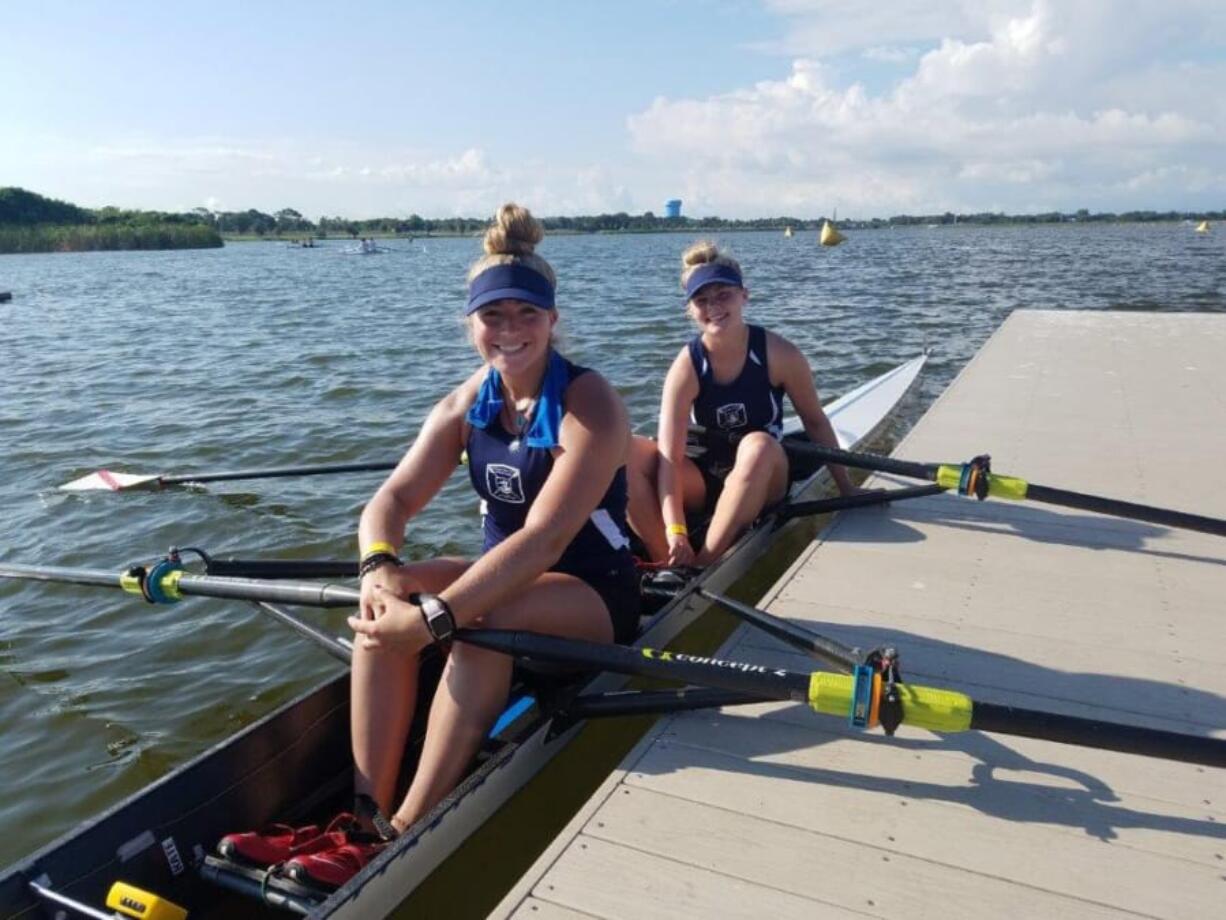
[732, 415]
[503, 483]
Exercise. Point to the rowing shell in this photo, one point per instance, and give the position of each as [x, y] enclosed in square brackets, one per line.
[294, 765]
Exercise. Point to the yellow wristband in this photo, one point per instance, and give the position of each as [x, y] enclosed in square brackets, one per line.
[379, 547]
[677, 530]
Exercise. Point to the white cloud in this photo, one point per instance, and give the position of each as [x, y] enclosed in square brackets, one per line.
[1024, 105]
[890, 54]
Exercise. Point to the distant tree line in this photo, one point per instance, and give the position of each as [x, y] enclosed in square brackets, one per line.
[33, 223]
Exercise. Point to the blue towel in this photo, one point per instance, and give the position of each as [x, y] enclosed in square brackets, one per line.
[546, 421]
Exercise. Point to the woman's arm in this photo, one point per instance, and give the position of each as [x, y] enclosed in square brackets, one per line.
[427, 465]
[680, 391]
[791, 369]
[430, 461]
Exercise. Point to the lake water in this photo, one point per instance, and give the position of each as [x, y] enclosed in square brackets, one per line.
[259, 354]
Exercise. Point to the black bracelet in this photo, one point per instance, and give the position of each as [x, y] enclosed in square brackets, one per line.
[372, 561]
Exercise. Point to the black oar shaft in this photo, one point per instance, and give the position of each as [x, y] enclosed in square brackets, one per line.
[861, 500]
[1109, 736]
[862, 461]
[758, 680]
[1165, 517]
[281, 568]
[274, 472]
[841, 656]
[1009, 487]
[652, 702]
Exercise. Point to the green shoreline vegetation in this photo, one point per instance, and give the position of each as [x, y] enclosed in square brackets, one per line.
[33, 223]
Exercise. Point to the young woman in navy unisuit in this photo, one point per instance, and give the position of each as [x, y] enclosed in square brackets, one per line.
[547, 443]
[730, 379]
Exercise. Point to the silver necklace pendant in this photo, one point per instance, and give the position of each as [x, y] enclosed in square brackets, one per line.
[514, 445]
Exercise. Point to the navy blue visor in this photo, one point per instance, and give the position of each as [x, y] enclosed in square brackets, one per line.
[509, 282]
[711, 273]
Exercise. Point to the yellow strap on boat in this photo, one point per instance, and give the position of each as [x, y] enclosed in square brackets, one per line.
[131, 901]
[923, 707]
[949, 477]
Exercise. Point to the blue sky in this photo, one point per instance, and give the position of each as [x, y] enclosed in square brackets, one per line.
[740, 108]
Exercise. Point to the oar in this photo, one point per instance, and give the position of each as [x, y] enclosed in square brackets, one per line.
[165, 584]
[930, 708]
[843, 657]
[118, 482]
[975, 478]
[834, 694]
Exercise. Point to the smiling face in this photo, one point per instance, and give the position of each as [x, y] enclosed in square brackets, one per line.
[716, 308]
[512, 335]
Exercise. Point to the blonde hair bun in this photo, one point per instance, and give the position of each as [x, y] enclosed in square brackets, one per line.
[700, 253]
[704, 252]
[515, 232]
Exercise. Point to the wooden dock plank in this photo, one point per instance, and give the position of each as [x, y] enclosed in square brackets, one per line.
[874, 880]
[1003, 836]
[612, 881]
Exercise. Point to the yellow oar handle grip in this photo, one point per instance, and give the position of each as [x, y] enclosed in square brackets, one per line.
[950, 477]
[923, 707]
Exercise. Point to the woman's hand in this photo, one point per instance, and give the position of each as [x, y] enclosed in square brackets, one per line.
[395, 625]
[679, 550]
[387, 578]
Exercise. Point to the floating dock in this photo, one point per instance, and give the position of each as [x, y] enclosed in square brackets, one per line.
[771, 811]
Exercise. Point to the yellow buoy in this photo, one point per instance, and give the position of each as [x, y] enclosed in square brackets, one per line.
[829, 235]
[1202, 227]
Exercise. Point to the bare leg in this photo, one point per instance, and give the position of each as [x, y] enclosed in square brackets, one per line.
[643, 508]
[384, 694]
[760, 475]
[475, 683]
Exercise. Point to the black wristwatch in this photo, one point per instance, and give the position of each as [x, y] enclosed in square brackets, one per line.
[438, 616]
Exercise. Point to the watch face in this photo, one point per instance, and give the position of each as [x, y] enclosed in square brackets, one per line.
[438, 618]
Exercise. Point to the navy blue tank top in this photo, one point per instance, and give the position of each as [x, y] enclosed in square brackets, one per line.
[508, 471]
[749, 403]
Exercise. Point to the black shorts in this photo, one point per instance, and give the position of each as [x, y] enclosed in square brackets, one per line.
[618, 587]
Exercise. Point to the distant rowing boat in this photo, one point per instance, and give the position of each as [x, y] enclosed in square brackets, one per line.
[294, 765]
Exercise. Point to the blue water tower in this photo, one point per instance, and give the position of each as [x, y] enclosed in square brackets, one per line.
[672, 208]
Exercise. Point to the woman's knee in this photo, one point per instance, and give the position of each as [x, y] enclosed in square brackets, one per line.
[643, 458]
[758, 454]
